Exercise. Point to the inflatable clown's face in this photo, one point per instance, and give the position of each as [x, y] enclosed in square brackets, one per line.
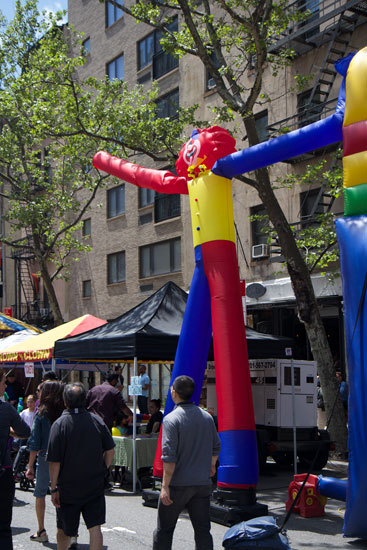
[203, 149]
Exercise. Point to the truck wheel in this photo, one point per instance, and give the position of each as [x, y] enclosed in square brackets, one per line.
[283, 458]
[306, 458]
[261, 455]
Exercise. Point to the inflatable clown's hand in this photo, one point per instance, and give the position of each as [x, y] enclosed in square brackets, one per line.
[162, 181]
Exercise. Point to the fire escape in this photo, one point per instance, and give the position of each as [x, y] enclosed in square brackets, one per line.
[329, 25]
[28, 306]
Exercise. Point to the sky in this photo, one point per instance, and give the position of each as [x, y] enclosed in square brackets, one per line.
[8, 6]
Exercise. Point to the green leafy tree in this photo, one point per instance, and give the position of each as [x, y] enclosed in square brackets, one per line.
[51, 125]
[229, 37]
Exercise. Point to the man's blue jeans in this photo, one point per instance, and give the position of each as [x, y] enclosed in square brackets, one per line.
[196, 499]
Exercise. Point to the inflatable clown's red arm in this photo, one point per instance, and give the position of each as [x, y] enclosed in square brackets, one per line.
[162, 181]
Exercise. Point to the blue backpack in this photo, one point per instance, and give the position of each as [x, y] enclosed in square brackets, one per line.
[261, 532]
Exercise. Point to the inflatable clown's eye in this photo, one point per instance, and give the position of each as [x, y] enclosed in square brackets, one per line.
[192, 150]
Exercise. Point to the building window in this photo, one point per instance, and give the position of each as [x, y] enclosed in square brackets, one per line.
[146, 197]
[312, 8]
[115, 69]
[86, 47]
[261, 122]
[259, 222]
[150, 51]
[310, 207]
[87, 289]
[163, 62]
[116, 268]
[145, 51]
[167, 106]
[87, 227]
[166, 206]
[113, 12]
[159, 258]
[308, 109]
[116, 201]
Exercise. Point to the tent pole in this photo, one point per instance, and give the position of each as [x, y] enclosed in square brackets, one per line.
[134, 428]
[53, 365]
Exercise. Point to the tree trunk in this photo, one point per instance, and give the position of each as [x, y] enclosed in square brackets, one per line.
[308, 310]
[54, 304]
[50, 291]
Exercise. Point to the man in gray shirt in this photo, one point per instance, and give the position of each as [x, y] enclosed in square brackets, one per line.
[190, 448]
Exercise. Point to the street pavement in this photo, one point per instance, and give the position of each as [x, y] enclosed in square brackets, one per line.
[130, 525]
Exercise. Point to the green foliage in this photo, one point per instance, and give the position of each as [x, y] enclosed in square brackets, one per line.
[316, 237]
[230, 37]
[52, 123]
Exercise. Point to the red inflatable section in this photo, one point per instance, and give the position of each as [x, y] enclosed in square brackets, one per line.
[158, 462]
[162, 181]
[234, 400]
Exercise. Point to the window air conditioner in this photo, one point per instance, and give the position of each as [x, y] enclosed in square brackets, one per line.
[260, 251]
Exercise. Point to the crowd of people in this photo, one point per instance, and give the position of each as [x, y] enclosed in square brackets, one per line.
[60, 418]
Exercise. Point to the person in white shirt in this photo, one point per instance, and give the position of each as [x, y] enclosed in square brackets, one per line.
[28, 413]
[144, 381]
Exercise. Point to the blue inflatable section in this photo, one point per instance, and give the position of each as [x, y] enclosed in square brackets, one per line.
[246, 468]
[311, 137]
[352, 237]
[196, 333]
[332, 487]
[316, 135]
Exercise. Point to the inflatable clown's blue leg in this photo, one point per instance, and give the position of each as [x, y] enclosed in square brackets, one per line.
[194, 342]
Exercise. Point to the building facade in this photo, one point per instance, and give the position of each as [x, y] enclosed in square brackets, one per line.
[140, 239]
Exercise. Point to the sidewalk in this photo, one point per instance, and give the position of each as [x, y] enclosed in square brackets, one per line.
[320, 532]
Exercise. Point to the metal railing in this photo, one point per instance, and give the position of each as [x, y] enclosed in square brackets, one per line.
[305, 115]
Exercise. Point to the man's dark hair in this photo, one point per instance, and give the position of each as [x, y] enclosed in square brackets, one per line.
[184, 386]
[75, 395]
[112, 377]
[49, 375]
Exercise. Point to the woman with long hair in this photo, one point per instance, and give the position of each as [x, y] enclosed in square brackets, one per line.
[50, 408]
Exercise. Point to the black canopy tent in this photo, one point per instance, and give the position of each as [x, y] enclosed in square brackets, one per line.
[150, 332]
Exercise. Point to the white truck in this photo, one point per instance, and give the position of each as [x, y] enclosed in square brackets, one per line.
[271, 381]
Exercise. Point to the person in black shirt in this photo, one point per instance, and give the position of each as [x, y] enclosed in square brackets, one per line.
[80, 451]
[156, 418]
[10, 422]
[14, 388]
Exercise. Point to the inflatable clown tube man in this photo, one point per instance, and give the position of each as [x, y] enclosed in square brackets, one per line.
[214, 300]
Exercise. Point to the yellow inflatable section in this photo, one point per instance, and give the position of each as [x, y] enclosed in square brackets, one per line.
[211, 209]
[356, 89]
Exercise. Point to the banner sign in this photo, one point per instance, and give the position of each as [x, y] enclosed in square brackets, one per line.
[29, 370]
[23, 356]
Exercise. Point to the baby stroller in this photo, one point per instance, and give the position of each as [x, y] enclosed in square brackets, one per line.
[20, 468]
